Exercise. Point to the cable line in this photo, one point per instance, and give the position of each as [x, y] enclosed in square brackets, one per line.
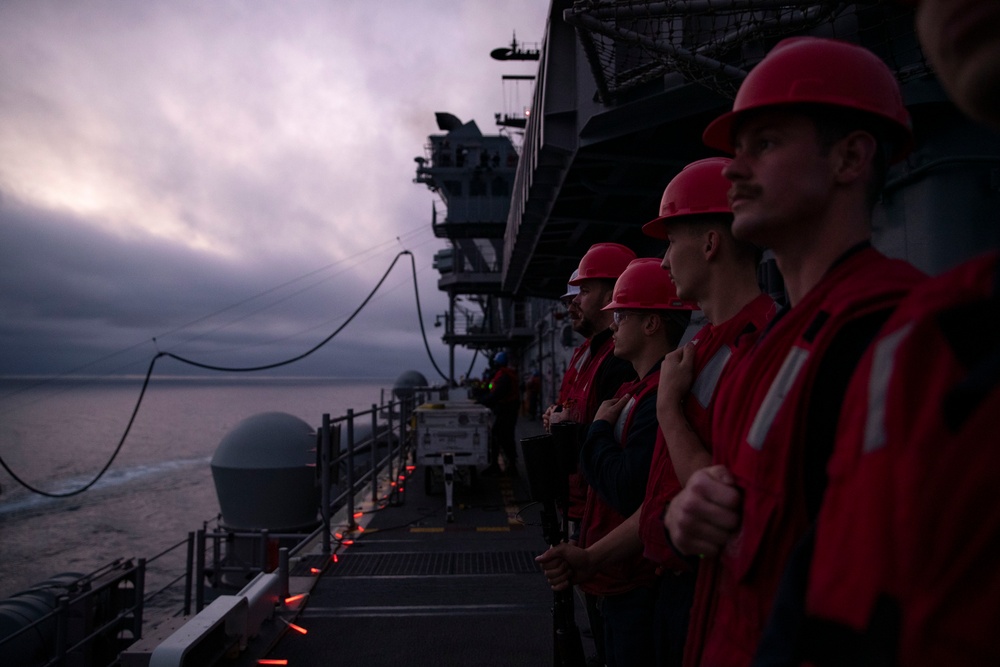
[152, 365]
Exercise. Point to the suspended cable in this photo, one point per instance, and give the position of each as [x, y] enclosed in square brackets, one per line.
[159, 354]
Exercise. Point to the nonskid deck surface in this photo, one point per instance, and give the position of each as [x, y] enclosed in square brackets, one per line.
[415, 589]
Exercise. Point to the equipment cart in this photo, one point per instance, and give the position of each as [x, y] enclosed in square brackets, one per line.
[454, 435]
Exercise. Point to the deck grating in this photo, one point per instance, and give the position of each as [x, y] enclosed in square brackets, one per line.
[389, 564]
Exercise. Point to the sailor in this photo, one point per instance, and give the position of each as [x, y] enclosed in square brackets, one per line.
[907, 542]
[812, 131]
[594, 374]
[505, 402]
[709, 266]
[648, 321]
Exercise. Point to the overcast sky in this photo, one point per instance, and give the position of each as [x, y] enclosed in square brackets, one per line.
[232, 177]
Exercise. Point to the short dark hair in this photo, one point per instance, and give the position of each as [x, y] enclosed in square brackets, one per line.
[835, 123]
[723, 221]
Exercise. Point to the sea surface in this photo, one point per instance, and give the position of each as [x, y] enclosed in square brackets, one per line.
[57, 436]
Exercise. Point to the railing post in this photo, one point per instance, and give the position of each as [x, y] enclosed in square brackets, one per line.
[390, 459]
[374, 457]
[189, 574]
[199, 598]
[265, 538]
[283, 571]
[351, 523]
[62, 631]
[140, 593]
[325, 482]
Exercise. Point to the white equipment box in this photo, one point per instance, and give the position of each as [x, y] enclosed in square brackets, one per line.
[452, 434]
[461, 428]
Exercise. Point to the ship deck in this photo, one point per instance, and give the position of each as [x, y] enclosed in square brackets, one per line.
[413, 588]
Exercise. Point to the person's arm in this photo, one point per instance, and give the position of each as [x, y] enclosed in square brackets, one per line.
[567, 564]
[705, 514]
[687, 452]
[619, 474]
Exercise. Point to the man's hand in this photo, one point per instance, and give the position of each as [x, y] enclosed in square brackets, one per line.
[706, 513]
[564, 565]
[611, 408]
[676, 376]
[553, 415]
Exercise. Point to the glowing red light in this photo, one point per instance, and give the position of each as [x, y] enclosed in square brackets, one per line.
[265, 661]
[336, 558]
[315, 570]
[297, 628]
[348, 542]
[358, 515]
[361, 529]
[295, 598]
[339, 536]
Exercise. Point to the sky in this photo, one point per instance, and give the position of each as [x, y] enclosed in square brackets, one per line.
[228, 180]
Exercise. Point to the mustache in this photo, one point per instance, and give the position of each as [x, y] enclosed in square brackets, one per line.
[742, 190]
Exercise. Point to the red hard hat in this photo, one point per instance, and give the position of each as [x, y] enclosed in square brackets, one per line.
[645, 285]
[817, 70]
[699, 189]
[603, 260]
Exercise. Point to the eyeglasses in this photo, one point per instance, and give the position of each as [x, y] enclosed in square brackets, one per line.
[620, 315]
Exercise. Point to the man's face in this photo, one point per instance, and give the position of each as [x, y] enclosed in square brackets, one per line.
[573, 312]
[593, 296]
[685, 260]
[627, 326]
[962, 40]
[781, 178]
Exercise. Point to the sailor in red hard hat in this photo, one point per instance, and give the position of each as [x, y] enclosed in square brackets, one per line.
[812, 131]
[595, 375]
[709, 266]
[907, 542]
[649, 321]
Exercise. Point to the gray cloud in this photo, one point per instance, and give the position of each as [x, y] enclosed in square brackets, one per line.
[165, 162]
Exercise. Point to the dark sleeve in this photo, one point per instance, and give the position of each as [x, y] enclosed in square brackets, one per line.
[612, 374]
[780, 644]
[619, 474]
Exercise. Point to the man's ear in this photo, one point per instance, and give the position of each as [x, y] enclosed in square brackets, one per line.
[853, 156]
[711, 242]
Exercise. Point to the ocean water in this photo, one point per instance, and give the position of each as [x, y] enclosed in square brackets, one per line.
[58, 436]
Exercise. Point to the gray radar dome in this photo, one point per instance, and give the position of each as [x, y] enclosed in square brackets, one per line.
[264, 474]
[407, 382]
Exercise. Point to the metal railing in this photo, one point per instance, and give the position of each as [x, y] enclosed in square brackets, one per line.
[99, 615]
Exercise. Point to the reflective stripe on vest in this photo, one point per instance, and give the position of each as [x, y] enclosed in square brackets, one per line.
[775, 397]
[623, 419]
[704, 385]
[883, 360]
